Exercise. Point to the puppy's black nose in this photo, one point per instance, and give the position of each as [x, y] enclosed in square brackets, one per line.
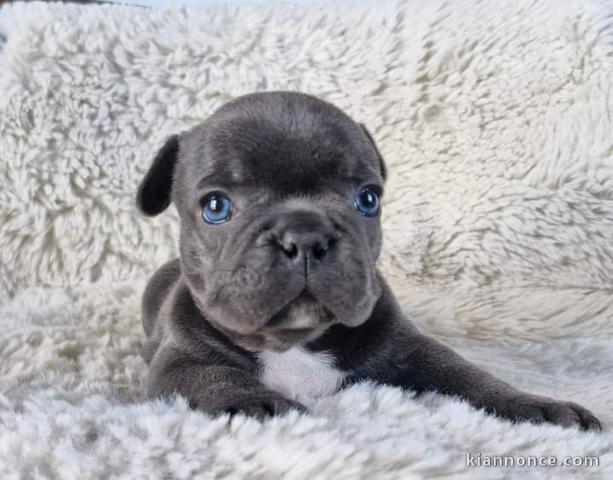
[301, 246]
[304, 237]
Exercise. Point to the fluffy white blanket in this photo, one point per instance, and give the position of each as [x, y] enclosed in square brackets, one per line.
[496, 122]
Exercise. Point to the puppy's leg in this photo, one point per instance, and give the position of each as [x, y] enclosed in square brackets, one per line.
[213, 388]
[425, 364]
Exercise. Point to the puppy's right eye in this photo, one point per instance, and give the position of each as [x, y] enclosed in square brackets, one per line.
[216, 209]
[367, 202]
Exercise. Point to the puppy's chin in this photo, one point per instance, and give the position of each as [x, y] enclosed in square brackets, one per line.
[279, 341]
[301, 321]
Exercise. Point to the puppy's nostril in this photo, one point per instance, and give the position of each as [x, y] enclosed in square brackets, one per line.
[291, 250]
[320, 250]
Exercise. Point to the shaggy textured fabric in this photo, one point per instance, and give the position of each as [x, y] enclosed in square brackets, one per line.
[495, 119]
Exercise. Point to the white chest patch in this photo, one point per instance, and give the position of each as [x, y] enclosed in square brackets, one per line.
[300, 374]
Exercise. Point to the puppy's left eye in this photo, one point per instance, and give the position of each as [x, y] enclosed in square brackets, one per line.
[217, 209]
[367, 202]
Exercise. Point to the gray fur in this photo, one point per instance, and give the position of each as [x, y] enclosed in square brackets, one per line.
[291, 164]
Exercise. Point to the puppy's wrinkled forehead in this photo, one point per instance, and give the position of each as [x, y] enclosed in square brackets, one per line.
[287, 143]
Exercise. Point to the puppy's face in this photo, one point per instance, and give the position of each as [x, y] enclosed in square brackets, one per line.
[279, 199]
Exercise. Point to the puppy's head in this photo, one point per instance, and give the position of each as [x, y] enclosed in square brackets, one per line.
[279, 199]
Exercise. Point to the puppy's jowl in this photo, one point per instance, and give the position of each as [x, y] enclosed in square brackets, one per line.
[276, 297]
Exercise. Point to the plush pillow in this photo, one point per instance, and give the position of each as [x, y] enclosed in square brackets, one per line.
[495, 128]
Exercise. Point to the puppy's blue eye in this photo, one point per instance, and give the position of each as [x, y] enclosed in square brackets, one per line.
[217, 209]
[367, 202]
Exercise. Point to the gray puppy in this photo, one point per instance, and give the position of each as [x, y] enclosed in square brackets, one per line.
[276, 297]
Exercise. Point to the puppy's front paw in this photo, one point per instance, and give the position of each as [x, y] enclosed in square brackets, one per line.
[539, 409]
[259, 405]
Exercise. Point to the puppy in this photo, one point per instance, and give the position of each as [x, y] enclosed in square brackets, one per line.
[276, 297]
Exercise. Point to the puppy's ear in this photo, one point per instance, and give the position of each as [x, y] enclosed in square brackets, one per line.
[153, 195]
[382, 167]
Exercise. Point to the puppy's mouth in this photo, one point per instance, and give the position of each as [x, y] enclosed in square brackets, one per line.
[300, 321]
[302, 315]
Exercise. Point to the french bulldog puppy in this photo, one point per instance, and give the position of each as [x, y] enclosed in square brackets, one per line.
[276, 297]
